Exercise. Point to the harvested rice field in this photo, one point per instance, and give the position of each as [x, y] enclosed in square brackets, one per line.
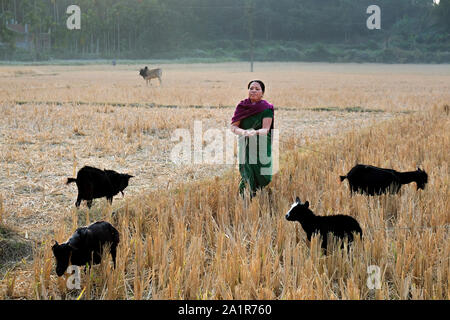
[185, 232]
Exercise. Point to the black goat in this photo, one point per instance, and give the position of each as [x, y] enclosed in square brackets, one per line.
[370, 180]
[85, 246]
[95, 183]
[340, 226]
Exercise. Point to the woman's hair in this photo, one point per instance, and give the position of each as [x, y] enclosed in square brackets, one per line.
[263, 87]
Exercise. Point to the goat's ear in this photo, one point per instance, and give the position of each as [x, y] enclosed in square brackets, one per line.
[306, 204]
[297, 199]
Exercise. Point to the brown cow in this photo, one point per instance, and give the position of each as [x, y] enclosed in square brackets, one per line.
[149, 74]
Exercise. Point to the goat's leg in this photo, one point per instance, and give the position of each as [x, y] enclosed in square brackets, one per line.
[324, 244]
[349, 239]
[89, 194]
[77, 203]
[113, 255]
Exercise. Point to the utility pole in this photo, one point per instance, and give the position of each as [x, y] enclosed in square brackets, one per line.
[251, 10]
[118, 35]
[15, 12]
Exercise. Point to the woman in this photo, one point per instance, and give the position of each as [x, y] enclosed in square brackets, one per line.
[253, 122]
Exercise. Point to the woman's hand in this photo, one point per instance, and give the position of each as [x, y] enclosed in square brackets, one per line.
[262, 132]
[267, 122]
[241, 132]
[250, 133]
[236, 130]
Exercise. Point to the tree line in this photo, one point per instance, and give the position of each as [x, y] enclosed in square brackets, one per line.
[279, 29]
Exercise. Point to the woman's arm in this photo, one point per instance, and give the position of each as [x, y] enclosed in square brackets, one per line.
[235, 128]
[241, 132]
[267, 122]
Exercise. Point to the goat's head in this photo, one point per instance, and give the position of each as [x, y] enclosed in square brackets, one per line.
[123, 181]
[63, 251]
[422, 179]
[119, 181]
[298, 210]
[62, 254]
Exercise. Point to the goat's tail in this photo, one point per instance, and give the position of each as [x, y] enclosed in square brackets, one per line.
[70, 180]
[343, 178]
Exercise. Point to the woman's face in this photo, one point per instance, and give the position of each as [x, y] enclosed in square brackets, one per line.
[255, 92]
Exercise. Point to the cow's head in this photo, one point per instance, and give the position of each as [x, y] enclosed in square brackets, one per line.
[143, 72]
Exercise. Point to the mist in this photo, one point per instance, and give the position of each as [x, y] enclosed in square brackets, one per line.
[401, 31]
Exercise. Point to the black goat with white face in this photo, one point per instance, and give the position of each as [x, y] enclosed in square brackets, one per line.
[340, 226]
[86, 246]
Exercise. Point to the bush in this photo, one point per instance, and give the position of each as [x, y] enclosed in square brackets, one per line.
[281, 53]
[359, 56]
[222, 52]
[387, 55]
[317, 53]
[373, 45]
[443, 57]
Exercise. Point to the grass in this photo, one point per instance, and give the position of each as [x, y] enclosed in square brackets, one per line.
[153, 105]
[13, 248]
[300, 85]
[187, 234]
[201, 241]
[347, 109]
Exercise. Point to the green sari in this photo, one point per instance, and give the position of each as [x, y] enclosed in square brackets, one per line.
[255, 154]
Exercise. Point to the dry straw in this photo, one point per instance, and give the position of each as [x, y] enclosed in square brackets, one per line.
[200, 240]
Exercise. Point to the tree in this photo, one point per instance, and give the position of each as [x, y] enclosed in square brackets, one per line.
[442, 11]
